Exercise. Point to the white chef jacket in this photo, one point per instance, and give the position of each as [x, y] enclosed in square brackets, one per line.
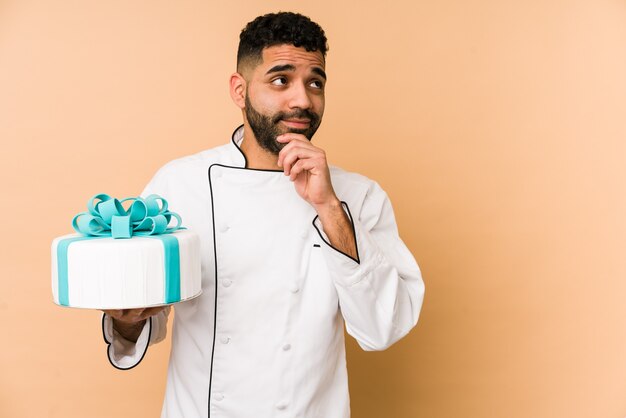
[265, 338]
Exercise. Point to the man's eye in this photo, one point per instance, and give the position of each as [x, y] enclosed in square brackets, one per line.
[280, 81]
[317, 84]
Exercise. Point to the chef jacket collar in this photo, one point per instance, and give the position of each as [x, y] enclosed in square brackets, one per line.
[239, 156]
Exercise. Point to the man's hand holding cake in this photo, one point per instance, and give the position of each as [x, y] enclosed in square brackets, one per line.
[130, 322]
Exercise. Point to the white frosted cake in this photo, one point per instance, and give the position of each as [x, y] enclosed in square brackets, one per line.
[125, 258]
[108, 273]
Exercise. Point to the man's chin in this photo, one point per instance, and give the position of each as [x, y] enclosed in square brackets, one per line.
[297, 131]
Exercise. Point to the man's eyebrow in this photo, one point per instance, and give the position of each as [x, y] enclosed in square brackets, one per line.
[279, 68]
[320, 72]
[289, 67]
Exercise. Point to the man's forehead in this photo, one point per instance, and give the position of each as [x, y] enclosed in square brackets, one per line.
[289, 54]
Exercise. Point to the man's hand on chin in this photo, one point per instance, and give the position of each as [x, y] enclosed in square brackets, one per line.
[306, 166]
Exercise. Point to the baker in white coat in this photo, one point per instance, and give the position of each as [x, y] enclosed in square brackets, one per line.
[291, 250]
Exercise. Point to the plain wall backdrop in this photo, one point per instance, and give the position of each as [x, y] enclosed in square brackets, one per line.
[498, 129]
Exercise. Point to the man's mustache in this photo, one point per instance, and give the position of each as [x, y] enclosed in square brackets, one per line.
[299, 114]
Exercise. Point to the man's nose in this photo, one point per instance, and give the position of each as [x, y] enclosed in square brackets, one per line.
[299, 97]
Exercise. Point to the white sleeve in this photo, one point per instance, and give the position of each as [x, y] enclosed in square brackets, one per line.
[124, 354]
[381, 293]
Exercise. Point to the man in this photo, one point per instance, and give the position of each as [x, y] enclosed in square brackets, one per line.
[291, 249]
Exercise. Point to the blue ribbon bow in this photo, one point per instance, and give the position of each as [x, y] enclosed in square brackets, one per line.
[107, 217]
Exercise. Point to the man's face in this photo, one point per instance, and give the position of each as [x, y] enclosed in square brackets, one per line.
[285, 93]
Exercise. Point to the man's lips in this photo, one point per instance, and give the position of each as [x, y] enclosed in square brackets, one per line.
[297, 123]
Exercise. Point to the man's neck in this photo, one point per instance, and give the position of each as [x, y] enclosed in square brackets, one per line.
[256, 156]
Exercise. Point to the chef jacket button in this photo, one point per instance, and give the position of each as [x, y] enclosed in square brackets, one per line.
[226, 282]
[224, 340]
[224, 228]
[293, 288]
[282, 405]
[304, 233]
[286, 347]
[218, 396]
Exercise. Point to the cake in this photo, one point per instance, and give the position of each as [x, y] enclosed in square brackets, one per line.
[123, 259]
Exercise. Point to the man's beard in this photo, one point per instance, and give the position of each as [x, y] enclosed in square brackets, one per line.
[267, 128]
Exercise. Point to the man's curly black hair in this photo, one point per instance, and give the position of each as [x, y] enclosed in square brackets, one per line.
[278, 29]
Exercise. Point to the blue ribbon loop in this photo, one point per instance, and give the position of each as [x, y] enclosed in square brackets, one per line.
[106, 216]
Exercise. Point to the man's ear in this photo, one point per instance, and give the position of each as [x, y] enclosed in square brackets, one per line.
[238, 90]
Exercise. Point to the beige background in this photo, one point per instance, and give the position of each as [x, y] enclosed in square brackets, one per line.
[497, 127]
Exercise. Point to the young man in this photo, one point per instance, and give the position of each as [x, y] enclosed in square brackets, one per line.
[291, 250]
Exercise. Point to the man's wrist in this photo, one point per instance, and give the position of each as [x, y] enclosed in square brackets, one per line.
[329, 208]
[338, 228]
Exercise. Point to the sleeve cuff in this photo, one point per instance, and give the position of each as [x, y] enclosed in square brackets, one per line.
[347, 271]
[124, 354]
